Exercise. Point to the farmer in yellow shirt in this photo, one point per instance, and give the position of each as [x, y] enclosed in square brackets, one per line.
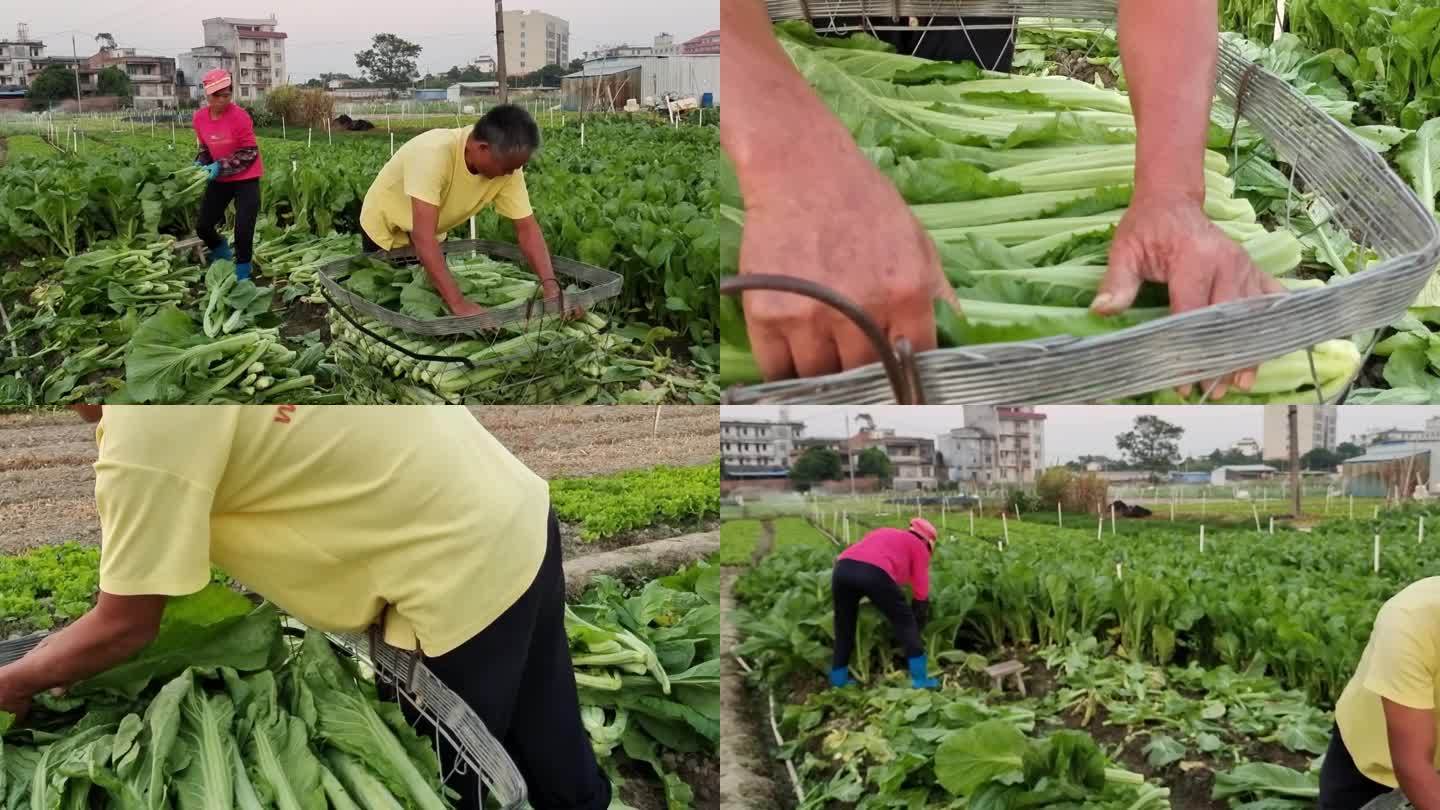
[1386, 722]
[344, 517]
[441, 178]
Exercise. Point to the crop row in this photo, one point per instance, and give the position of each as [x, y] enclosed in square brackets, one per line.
[606, 506]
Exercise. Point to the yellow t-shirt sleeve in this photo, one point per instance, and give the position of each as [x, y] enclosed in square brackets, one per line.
[1403, 661]
[425, 175]
[513, 201]
[155, 483]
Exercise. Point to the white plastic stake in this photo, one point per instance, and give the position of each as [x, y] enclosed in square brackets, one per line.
[1202, 538]
[845, 522]
[1420, 535]
[1272, 524]
[392, 144]
[1352, 507]
[1017, 511]
[1100, 527]
[972, 522]
[284, 136]
[943, 503]
[582, 134]
[1005, 526]
[1377, 552]
[1256, 512]
[329, 139]
[1172, 511]
[1059, 516]
[309, 136]
[1376, 516]
[1119, 570]
[1112, 520]
[472, 229]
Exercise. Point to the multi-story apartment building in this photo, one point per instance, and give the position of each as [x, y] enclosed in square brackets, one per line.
[534, 39]
[757, 447]
[1316, 428]
[258, 51]
[997, 445]
[16, 57]
[912, 459]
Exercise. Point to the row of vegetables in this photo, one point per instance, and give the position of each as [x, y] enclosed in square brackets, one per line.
[1021, 180]
[1176, 656]
[221, 710]
[85, 237]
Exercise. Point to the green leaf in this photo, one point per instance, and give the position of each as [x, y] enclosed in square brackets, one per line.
[1163, 750]
[991, 751]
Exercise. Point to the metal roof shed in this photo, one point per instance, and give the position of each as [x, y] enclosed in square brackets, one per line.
[1388, 468]
[601, 88]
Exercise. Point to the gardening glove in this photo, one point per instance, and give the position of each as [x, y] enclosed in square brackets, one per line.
[212, 169]
[921, 609]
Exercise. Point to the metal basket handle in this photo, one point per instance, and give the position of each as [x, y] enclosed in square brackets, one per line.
[899, 360]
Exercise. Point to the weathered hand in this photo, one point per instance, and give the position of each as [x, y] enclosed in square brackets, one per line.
[848, 229]
[1169, 240]
[12, 699]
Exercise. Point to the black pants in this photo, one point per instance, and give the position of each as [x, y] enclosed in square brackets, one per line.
[246, 194]
[517, 676]
[991, 48]
[367, 245]
[852, 581]
[1342, 785]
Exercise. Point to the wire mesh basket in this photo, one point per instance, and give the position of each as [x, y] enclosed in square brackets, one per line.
[541, 363]
[459, 734]
[1394, 800]
[1365, 198]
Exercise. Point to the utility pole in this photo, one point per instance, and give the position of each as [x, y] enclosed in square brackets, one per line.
[76, 56]
[849, 453]
[500, 50]
[1294, 415]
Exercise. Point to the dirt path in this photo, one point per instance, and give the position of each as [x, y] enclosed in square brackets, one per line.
[47, 482]
[744, 758]
[767, 542]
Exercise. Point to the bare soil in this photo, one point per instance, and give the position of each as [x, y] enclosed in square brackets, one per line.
[47, 481]
[745, 760]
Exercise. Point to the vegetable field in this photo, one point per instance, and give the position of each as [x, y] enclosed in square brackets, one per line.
[100, 307]
[1158, 674]
[645, 641]
[1021, 179]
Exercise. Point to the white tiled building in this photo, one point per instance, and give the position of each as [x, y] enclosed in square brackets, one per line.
[16, 55]
[534, 39]
[756, 445]
[997, 445]
[258, 51]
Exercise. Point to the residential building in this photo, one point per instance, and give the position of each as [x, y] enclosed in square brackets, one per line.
[534, 39]
[912, 459]
[1316, 428]
[192, 65]
[706, 43]
[997, 445]
[152, 78]
[665, 45]
[757, 448]
[1247, 447]
[485, 64]
[258, 49]
[16, 55]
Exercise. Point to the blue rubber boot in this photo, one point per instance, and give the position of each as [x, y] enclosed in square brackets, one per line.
[242, 271]
[918, 674]
[840, 676]
[221, 251]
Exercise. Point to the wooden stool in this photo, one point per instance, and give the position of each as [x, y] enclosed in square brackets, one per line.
[194, 245]
[998, 673]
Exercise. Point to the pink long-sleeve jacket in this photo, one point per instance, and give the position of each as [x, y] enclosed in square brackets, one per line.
[902, 555]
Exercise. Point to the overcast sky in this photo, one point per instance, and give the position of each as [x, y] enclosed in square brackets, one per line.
[324, 36]
[1076, 430]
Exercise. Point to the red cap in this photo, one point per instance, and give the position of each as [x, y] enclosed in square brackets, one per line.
[216, 80]
[924, 528]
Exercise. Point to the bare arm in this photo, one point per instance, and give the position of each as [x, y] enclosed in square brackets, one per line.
[115, 629]
[537, 253]
[1411, 733]
[1169, 50]
[425, 219]
[812, 212]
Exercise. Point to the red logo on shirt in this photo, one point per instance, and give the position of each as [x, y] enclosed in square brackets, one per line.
[282, 413]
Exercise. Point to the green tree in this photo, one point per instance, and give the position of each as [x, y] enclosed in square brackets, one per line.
[1349, 450]
[389, 61]
[53, 84]
[1321, 459]
[873, 461]
[1153, 444]
[112, 81]
[575, 66]
[816, 464]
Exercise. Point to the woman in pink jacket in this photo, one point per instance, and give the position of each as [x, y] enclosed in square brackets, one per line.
[876, 567]
[231, 156]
